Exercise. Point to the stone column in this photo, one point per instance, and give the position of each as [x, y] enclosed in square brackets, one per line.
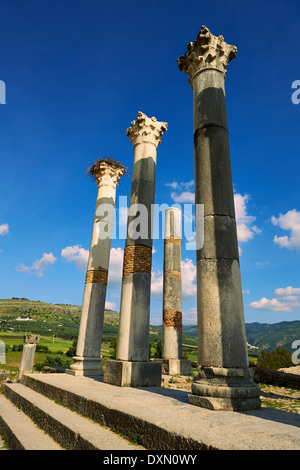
[173, 363]
[28, 353]
[132, 366]
[225, 380]
[106, 172]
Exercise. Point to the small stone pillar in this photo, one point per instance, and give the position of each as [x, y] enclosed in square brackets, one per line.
[225, 380]
[132, 366]
[173, 363]
[106, 172]
[27, 358]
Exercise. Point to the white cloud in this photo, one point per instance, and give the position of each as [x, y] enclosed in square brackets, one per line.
[287, 291]
[110, 305]
[4, 229]
[76, 253]
[291, 222]
[245, 228]
[115, 267]
[273, 305]
[181, 191]
[284, 300]
[184, 196]
[157, 279]
[39, 266]
[246, 291]
[188, 275]
[189, 316]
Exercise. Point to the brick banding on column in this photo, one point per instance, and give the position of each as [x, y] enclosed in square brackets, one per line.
[137, 259]
[97, 276]
[174, 273]
[172, 240]
[173, 318]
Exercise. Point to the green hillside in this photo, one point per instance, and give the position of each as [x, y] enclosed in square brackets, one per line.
[62, 321]
[264, 335]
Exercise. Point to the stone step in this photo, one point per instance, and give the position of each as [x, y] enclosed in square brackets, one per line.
[71, 430]
[163, 419]
[19, 431]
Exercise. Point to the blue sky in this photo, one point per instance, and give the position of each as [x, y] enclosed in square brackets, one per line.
[76, 74]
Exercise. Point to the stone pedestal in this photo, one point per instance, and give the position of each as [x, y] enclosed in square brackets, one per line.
[173, 362]
[176, 367]
[225, 376]
[28, 353]
[133, 335]
[133, 374]
[106, 173]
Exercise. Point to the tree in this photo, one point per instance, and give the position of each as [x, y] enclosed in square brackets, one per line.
[113, 348]
[274, 360]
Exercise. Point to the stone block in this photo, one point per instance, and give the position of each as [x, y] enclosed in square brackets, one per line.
[176, 366]
[133, 374]
[220, 238]
[213, 178]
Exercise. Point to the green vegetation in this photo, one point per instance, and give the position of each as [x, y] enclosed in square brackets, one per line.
[268, 337]
[274, 360]
[58, 326]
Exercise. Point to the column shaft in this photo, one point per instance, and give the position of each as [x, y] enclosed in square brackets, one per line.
[172, 355]
[88, 352]
[132, 366]
[225, 380]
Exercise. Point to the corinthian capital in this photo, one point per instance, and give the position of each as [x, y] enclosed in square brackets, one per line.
[206, 52]
[106, 171]
[146, 130]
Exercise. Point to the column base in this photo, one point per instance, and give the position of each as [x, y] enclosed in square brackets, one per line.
[219, 388]
[176, 366]
[86, 367]
[133, 374]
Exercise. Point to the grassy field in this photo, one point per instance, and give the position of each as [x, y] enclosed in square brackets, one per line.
[12, 359]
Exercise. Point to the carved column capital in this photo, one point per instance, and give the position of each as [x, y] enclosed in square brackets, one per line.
[106, 171]
[146, 130]
[206, 52]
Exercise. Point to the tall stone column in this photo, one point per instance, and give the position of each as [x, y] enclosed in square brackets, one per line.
[173, 362]
[132, 366]
[106, 172]
[225, 380]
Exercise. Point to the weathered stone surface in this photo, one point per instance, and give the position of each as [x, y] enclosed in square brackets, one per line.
[69, 429]
[133, 335]
[176, 366]
[164, 420]
[172, 353]
[213, 177]
[87, 359]
[27, 359]
[221, 324]
[205, 53]
[133, 374]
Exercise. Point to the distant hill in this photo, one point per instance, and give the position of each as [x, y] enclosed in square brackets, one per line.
[46, 319]
[271, 336]
[62, 320]
[264, 335]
